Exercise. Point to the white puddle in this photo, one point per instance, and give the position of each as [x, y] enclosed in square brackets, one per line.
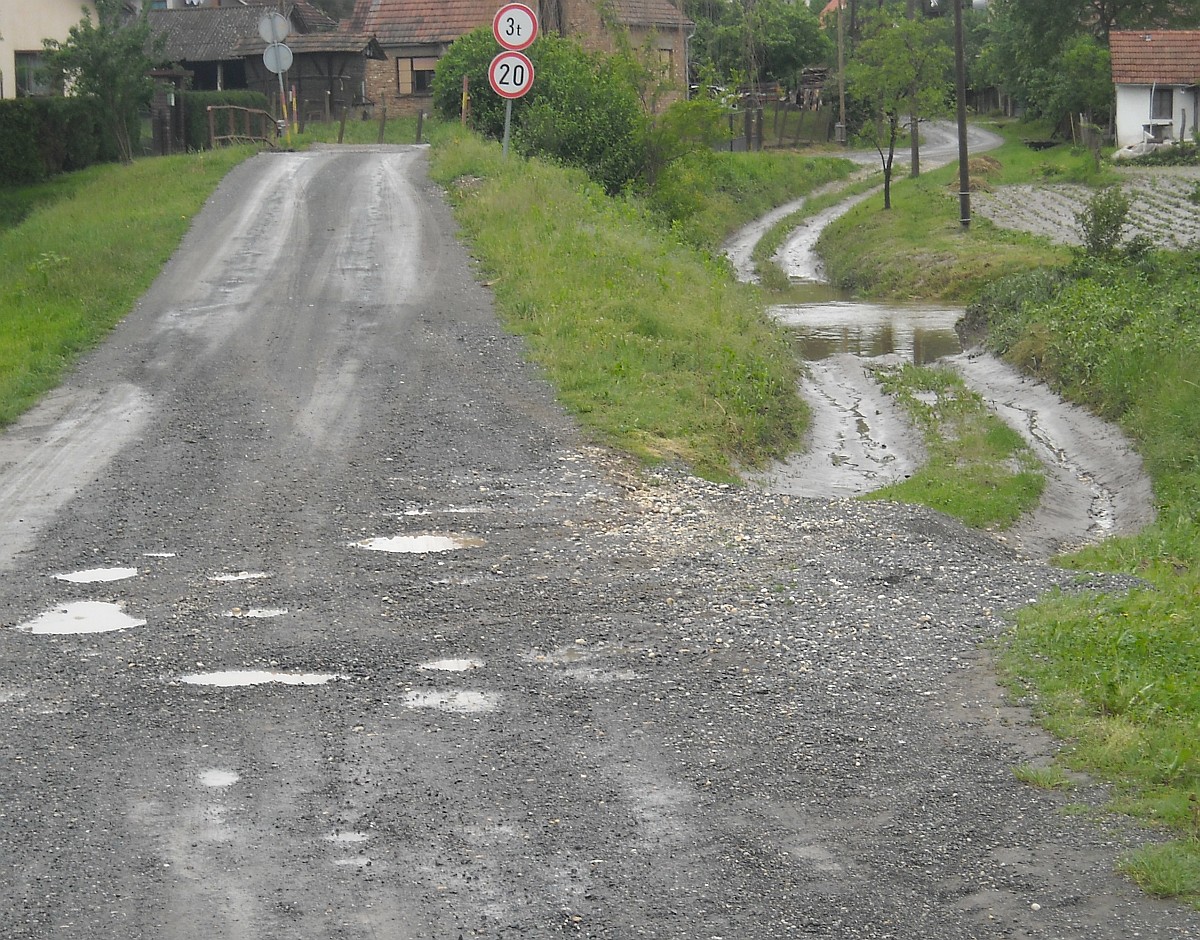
[256, 612]
[353, 862]
[234, 678]
[81, 617]
[463, 703]
[455, 510]
[158, 554]
[98, 575]
[419, 544]
[346, 837]
[453, 665]
[238, 576]
[218, 778]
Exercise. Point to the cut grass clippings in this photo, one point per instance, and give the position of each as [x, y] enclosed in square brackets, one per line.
[979, 469]
[78, 253]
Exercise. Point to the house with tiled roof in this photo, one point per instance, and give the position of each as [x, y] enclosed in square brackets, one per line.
[416, 33]
[1157, 77]
[220, 46]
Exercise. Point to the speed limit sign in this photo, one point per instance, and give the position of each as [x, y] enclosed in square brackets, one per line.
[511, 74]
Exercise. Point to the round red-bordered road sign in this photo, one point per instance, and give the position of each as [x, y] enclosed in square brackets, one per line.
[515, 26]
[511, 74]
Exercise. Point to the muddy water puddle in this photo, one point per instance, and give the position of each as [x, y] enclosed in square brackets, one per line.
[916, 334]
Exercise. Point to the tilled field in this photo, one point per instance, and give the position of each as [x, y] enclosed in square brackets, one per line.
[1161, 207]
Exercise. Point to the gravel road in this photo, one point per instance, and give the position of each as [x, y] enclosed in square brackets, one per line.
[321, 620]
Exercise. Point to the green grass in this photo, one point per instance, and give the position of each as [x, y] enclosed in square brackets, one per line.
[647, 339]
[78, 252]
[978, 468]
[1052, 777]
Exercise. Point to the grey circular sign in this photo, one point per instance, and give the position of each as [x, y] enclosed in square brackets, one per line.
[274, 27]
[277, 58]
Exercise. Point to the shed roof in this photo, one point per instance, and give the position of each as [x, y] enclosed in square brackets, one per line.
[204, 34]
[1150, 56]
[340, 41]
[660, 13]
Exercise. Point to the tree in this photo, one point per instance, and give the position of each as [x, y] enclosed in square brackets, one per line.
[583, 108]
[756, 40]
[900, 68]
[107, 61]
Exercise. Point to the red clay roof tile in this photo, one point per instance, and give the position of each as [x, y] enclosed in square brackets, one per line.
[1149, 56]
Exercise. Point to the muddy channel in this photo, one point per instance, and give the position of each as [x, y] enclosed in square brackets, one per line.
[860, 440]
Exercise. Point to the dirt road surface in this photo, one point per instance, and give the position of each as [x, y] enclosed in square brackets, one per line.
[319, 620]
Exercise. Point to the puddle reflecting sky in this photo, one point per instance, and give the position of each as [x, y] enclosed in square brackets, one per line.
[920, 335]
[81, 617]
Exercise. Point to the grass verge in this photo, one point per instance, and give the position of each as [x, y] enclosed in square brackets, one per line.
[647, 339]
[76, 254]
[979, 469]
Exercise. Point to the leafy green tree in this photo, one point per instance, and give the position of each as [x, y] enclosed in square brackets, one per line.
[901, 68]
[756, 40]
[106, 60]
[582, 109]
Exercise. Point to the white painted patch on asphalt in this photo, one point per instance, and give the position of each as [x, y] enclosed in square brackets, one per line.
[419, 544]
[98, 575]
[218, 778]
[238, 576]
[235, 678]
[452, 665]
[459, 702]
[81, 617]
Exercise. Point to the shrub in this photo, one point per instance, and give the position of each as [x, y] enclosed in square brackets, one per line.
[1102, 222]
[42, 137]
[582, 110]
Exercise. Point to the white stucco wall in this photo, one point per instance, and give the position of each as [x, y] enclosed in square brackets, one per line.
[23, 26]
[1133, 112]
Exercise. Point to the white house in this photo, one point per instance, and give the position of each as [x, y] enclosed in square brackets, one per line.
[23, 26]
[1157, 76]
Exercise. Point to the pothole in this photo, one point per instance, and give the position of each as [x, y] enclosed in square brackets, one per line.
[419, 544]
[346, 837]
[233, 678]
[81, 617]
[218, 778]
[238, 576]
[255, 613]
[452, 665]
[98, 575]
[460, 702]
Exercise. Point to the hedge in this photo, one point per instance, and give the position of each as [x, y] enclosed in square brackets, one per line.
[42, 137]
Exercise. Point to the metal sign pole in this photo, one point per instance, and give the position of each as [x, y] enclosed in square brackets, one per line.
[507, 123]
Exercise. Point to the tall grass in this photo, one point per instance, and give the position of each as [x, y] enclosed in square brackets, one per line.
[647, 339]
[77, 255]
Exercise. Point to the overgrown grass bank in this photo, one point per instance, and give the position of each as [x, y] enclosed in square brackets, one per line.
[647, 339]
[76, 253]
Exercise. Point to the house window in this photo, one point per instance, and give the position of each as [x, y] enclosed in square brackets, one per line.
[666, 63]
[1161, 104]
[31, 80]
[415, 76]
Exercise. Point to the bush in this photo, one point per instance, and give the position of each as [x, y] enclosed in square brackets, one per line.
[1102, 222]
[42, 137]
[583, 110]
[195, 113]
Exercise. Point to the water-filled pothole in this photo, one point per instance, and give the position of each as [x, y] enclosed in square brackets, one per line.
[98, 575]
[452, 665]
[81, 617]
[256, 613]
[238, 576]
[419, 544]
[234, 678]
[458, 701]
[218, 778]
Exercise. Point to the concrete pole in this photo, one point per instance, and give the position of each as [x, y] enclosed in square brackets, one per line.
[960, 87]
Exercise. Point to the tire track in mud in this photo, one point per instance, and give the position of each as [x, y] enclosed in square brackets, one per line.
[861, 441]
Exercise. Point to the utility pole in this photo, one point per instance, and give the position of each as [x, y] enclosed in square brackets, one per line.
[841, 30]
[960, 88]
[914, 130]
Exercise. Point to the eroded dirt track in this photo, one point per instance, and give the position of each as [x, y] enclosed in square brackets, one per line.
[584, 703]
